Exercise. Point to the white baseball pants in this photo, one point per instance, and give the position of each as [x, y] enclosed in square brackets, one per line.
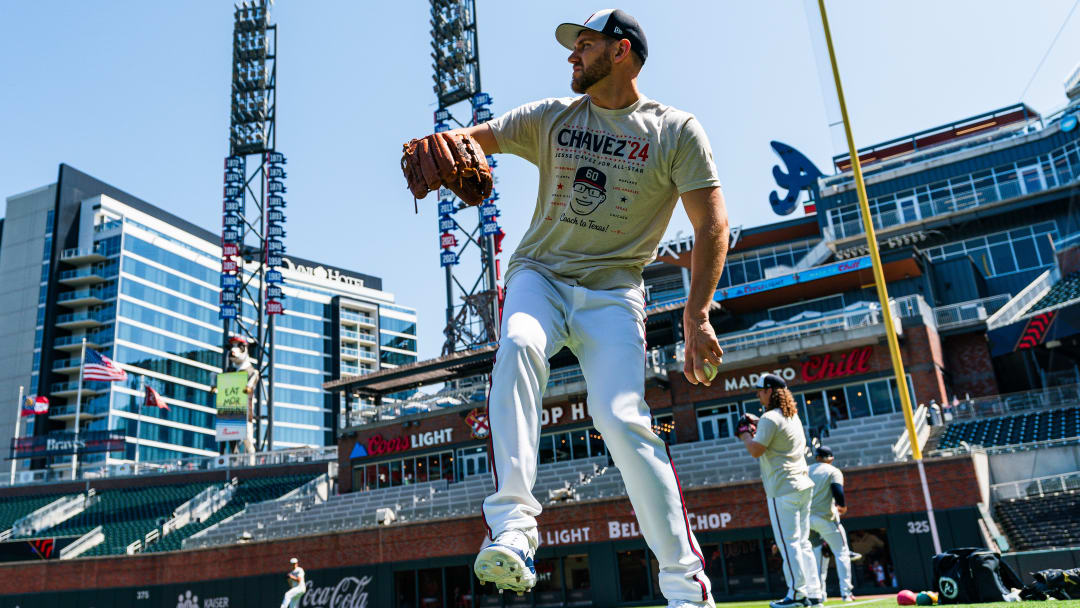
[605, 329]
[292, 596]
[833, 533]
[790, 516]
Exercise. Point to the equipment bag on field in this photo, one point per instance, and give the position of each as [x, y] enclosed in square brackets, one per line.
[974, 574]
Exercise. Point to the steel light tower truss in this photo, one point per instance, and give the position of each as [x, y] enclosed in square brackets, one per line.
[472, 300]
[253, 214]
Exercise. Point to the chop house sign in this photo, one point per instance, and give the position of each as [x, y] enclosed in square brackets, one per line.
[813, 369]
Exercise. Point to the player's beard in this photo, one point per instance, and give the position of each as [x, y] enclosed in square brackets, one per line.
[592, 74]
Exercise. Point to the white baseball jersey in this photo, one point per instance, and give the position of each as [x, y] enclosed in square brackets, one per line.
[824, 475]
[298, 572]
[783, 465]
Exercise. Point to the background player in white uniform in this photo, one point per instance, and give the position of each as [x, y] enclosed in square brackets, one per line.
[826, 507]
[612, 166]
[779, 445]
[297, 586]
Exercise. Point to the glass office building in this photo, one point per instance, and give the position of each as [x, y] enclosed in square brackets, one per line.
[141, 286]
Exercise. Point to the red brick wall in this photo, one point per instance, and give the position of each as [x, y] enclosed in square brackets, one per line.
[878, 490]
[556, 414]
[969, 365]
[920, 348]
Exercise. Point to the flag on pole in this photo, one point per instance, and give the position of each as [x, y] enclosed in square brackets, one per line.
[101, 368]
[28, 408]
[41, 405]
[153, 399]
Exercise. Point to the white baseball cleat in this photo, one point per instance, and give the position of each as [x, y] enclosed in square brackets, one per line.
[508, 562]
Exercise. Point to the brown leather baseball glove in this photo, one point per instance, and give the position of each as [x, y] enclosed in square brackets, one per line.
[444, 159]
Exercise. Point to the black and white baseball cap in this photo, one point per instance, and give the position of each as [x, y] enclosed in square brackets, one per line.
[770, 381]
[612, 22]
[823, 451]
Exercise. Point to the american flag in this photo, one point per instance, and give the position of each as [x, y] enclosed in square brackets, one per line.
[101, 368]
[153, 399]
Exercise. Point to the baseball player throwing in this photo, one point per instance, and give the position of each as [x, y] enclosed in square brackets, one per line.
[826, 507]
[297, 586]
[612, 165]
[778, 442]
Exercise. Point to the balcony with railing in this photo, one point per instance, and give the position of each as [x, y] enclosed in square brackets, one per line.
[1058, 168]
[89, 275]
[85, 319]
[349, 353]
[91, 296]
[66, 366]
[71, 389]
[96, 339]
[809, 332]
[366, 355]
[91, 410]
[356, 317]
[83, 255]
[108, 226]
[970, 313]
[349, 370]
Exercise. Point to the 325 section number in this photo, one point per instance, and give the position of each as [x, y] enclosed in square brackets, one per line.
[918, 527]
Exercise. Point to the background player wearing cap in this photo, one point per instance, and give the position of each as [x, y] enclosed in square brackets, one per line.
[297, 585]
[779, 445]
[826, 507]
[612, 165]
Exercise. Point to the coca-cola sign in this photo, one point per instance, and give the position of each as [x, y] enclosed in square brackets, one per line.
[349, 592]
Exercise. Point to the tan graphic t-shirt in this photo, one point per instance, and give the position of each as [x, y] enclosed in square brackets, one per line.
[783, 465]
[609, 180]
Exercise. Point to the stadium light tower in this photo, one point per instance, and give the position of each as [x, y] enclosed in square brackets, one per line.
[472, 301]
[253, 214]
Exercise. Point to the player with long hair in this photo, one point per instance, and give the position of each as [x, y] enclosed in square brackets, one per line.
[778, 441]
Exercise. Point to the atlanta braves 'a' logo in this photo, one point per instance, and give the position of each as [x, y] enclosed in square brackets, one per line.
[801, 173]
[477, 420]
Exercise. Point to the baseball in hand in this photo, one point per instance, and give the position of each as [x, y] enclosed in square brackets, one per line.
[710, 371]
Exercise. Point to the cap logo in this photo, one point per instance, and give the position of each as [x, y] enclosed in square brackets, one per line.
[617, 30]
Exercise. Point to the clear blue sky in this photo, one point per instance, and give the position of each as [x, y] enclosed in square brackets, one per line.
[136, 94]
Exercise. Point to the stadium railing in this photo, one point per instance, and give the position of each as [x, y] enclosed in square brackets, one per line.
[1035, 487]
[86, 542]
[902, 448]
[1011, 403]
[1003, 449]
[194, 463]
[1023, 300]
[56, 512]
[979, 310]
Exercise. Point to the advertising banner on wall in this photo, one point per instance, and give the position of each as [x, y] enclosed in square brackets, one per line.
[231, 402]
[61, 443]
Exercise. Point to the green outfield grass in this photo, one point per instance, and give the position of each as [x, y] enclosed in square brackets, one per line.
[890, 600]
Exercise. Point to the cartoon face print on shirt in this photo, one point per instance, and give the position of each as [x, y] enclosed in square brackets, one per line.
[589, 191]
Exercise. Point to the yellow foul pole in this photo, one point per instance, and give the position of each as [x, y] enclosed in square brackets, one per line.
[879, 280]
